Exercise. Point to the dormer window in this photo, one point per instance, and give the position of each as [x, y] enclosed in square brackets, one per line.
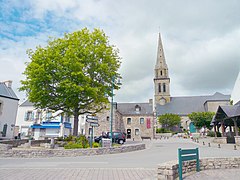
[137, 108]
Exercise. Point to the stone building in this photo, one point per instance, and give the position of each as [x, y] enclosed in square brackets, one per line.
[135, 119]
[140, 119]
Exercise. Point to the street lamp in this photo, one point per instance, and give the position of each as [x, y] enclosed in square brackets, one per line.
[111, 108]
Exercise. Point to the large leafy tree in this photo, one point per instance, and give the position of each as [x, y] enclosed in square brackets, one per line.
[169, 120]
[201, 119]
[73, 73]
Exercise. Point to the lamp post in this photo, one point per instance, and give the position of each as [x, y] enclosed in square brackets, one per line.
[111, 108]
[111, 111]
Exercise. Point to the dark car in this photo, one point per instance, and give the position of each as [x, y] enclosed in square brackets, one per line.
[118, 137]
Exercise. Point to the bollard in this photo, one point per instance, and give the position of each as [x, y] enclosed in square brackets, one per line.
[219, 146]
[203, 143]
[52, 143]
[235, 147]
[209, 145]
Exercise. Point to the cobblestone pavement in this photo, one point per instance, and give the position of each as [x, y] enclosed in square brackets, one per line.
[223, 174]
[78, 174]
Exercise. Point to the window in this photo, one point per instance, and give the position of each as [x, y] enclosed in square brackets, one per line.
[1, 107]
[129, 120]
[137, 132]
[137, 108]
[48, 115]
[38, 115]
[161, 73]
[164, 87]
[29, 116]
[141, 121]
[159, 87]
[107, 118]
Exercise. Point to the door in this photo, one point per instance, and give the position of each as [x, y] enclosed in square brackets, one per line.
[192, 128]
[4, 132]
[129, 134]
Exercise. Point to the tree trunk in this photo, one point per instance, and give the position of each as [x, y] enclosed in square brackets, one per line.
[75, 127]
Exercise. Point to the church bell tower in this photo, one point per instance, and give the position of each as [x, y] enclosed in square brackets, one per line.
[161, 79]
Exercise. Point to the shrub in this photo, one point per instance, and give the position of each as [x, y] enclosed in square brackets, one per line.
[212, 134]
[95, 145]
[72, 145]
[163, 130]
[83, 141]
[69, 138]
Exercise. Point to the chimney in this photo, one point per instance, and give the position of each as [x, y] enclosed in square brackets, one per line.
[8, 83]
[150, 101]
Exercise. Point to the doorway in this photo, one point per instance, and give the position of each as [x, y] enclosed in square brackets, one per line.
[128, 133]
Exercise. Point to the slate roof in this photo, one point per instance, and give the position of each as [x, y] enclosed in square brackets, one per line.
[130, 108]
[7, 92]
[27, 103]
[231, 111]
[189, 104]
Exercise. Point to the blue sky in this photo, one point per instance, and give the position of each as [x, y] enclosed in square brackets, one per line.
[201, 40]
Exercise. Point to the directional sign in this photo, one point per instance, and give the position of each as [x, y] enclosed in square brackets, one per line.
[92, 119]
[94, 124]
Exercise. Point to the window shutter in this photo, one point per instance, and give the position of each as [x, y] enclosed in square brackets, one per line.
[32, 116]
[25, 116]
[148, 123]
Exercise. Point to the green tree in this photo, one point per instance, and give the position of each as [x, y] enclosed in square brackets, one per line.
[73, 73]
[169, 120]
[201, 119]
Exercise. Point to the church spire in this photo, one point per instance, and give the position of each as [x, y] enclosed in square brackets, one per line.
[161, 80]
[161, 62]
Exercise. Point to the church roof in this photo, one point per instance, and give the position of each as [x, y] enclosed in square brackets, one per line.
[189, 104]
[7, 92]
[130, 108]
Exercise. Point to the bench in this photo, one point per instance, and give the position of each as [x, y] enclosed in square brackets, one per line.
[187, 155]
[145, 137]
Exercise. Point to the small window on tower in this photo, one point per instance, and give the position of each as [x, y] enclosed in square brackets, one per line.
[161, 73]
[159, 87]
[164, 87]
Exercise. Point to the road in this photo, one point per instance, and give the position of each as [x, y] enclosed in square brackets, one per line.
[140, 164]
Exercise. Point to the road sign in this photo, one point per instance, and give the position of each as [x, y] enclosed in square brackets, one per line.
[92, 119]
[94, 124]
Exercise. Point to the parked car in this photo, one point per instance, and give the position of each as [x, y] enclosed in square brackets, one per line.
[118, 137]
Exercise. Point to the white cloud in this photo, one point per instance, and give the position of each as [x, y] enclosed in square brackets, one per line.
[200, 40]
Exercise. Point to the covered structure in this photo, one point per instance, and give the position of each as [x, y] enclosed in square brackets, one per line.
[227, 117]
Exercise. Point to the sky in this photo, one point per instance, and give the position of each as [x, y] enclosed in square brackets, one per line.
[201, 40]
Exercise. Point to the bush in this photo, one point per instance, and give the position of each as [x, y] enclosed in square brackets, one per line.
[83, 141]
[162, 130]
[72, 145]
[212, 134]
[69, 138]
[95, 145]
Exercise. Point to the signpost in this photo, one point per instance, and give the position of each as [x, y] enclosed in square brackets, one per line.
[93, 120]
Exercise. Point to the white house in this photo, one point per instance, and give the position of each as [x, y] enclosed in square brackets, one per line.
[44, 123]
[8, 110]
[235, 96]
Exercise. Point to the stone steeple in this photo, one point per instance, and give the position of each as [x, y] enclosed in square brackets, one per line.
[161, 79]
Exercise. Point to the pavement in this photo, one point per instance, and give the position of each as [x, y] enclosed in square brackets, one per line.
[132, 165]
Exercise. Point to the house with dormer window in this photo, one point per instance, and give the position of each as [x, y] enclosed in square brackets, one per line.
[8, 110]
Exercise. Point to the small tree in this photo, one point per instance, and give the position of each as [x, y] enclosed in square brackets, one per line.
[201, 119]
[169, 120]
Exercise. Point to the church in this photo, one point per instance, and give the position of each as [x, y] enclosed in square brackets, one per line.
[140, 119]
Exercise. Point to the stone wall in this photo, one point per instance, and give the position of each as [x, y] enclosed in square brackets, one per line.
[220, 140]
[169, 170]
[41, 152]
